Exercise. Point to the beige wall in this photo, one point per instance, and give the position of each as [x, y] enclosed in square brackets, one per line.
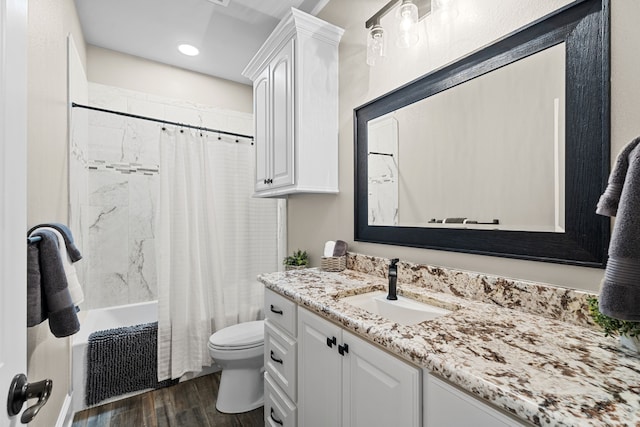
[313, 219]
[130, 72]
[49, 25]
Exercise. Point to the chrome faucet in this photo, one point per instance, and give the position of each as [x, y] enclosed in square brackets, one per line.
[393, 279]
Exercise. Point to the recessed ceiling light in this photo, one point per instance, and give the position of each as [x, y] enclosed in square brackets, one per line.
[188, 50]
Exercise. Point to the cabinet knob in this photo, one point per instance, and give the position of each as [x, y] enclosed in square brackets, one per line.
[331, 341]
[342, 349]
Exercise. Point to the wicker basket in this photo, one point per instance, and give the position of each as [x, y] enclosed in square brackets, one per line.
[333, 263]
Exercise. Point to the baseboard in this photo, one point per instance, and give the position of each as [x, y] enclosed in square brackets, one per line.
[65, 417]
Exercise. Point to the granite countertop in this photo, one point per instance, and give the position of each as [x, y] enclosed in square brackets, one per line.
[549, 372]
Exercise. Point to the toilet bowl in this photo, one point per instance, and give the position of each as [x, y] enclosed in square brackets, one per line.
[239, 350]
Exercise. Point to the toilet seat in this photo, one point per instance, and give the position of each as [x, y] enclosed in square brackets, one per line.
[238, 337]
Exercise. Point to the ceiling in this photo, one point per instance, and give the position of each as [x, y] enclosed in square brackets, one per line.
[227, 36]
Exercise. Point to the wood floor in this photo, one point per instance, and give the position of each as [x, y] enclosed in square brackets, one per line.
[187, 404]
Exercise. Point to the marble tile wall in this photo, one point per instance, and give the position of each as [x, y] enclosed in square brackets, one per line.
[564, 304]
[116, 162]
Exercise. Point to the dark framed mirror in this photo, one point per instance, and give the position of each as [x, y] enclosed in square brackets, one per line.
[540, 98]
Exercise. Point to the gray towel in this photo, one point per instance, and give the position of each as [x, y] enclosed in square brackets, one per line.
[72, 250]
[47, 293]
[620, 290]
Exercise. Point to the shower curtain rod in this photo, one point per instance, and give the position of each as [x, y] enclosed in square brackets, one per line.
[135, 116]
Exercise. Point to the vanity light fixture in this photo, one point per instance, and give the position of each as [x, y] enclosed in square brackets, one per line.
[407, 18]
[376, 44]
[189, 50]
[408, 14]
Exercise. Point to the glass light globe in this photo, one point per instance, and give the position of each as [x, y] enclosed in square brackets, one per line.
[407, 18]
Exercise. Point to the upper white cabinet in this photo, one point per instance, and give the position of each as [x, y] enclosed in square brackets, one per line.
[295, 95]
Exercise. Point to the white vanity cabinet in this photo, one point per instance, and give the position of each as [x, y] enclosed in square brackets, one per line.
[447, 405]
[280, 359]
[295, 89]
[346, 381]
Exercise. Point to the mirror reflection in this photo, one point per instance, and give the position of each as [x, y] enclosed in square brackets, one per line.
[486, 154]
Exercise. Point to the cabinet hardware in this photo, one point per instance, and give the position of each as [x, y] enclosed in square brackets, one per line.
[273, 310]
[275, 420]
[275, 359]
[342, 349]
[331, 341]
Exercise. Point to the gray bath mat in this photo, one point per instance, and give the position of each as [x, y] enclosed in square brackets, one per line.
[122, 360]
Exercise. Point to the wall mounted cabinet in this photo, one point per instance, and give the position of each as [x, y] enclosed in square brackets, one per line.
[295, 90]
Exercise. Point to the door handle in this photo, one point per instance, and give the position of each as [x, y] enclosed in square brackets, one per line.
[20, 391]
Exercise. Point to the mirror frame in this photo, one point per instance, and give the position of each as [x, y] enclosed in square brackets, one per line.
[584, 27]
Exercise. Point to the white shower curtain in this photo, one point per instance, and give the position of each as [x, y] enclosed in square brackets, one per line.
[212, 239]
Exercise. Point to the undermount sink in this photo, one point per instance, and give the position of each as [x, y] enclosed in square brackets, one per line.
[403, 310]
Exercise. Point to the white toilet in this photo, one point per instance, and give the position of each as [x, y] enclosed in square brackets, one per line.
[239, 350]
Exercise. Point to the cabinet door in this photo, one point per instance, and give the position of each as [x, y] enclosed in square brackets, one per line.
[262, 114]
[319, 372]
[379, 389]
[282, 121]
[445, 405]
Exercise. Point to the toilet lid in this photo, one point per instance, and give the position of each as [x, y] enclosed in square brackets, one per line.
[242, 335]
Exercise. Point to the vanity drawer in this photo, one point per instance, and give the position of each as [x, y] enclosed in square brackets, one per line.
[280, 311]
[279, 410]
[280, 358]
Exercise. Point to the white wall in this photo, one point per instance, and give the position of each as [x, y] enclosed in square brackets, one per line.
[314, 219]
[130, 72]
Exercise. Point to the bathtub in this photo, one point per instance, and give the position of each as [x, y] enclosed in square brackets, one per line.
[98, 320]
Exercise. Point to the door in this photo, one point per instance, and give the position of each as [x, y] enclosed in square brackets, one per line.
[282, 119]
[261, 118]
[379, 389]
[13, 199]
[319, 371]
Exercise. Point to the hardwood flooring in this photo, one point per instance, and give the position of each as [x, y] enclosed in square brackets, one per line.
[187, 404]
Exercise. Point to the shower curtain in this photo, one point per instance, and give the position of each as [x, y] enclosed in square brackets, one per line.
[212, 239]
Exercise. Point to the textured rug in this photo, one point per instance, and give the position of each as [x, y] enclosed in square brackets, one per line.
[122, 360]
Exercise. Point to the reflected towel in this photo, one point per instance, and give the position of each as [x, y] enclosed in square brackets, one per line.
[47, 293]
[620, 290]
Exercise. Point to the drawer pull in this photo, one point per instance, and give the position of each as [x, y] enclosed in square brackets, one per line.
[275, 420]
[275, 359]
[273, 310]
[331, 342]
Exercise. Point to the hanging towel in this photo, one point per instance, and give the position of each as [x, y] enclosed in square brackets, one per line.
[72, 250]
[47, 293]
[620, 289]
[75, 290]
